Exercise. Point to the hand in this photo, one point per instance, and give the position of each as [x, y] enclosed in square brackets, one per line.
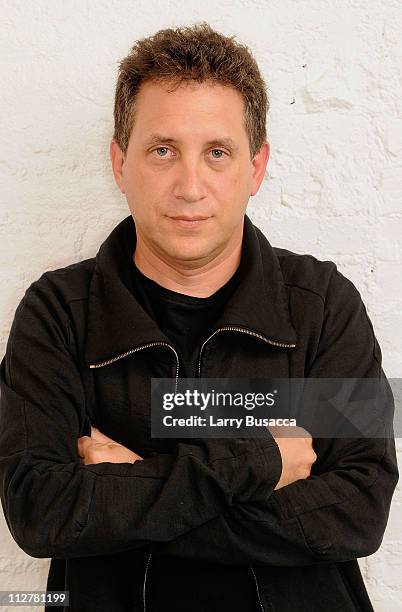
[98, 448]
[297, 453]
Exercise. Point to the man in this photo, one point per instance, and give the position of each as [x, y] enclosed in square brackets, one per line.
[188, 286]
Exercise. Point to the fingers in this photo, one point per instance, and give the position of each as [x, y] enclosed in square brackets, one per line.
[289, 431]
[83, 443]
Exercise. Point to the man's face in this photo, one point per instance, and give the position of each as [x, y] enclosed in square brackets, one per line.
[180, 163]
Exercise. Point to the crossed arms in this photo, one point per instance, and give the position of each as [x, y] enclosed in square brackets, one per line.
[212, 500]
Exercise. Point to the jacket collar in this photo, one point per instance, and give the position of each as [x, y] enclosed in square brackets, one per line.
[117, 323]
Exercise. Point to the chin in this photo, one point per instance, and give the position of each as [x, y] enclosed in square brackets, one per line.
[183, 255]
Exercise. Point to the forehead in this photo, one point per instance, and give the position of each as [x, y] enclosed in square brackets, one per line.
[161, 105]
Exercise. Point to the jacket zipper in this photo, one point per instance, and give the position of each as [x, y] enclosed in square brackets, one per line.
[139, 348]
[273, 343]
[145, 582]
[112, 360]
[244, 331]
[258, 588]
[226, 328]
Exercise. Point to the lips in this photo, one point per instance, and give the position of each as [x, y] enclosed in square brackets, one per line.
[195, 218]
[192, 223]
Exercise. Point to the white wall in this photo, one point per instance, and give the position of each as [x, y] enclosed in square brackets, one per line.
[333, 187]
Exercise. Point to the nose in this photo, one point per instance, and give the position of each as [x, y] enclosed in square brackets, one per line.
[189, 185]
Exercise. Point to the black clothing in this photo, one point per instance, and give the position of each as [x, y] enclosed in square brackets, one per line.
[185, 319]
[82, 350]
[192, 585]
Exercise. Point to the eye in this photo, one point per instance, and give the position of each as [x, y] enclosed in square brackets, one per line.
[219, 151]
[160, 149]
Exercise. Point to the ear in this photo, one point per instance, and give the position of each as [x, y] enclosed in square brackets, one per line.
[260, 162]
[117, 158]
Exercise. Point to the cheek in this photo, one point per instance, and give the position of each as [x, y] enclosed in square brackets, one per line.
[136, 179]
[138, 193]
[233, 181]
[234, 191]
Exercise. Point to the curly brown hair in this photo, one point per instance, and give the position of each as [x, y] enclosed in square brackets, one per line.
[191, 53]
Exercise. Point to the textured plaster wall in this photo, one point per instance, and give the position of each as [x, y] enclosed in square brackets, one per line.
[333, 186]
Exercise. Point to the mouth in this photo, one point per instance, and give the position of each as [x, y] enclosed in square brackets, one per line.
[193, 221]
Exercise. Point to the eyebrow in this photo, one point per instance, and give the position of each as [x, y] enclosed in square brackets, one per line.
[224, 142]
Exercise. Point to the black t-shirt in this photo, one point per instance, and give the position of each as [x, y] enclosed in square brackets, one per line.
[186, 320]
[191, 585]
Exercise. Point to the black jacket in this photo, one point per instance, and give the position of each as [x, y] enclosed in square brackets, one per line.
[81, 350]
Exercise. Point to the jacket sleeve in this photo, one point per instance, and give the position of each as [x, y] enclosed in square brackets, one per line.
[341, 510]
[54, 505]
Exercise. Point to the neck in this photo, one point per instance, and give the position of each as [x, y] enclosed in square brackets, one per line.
[200, 281]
